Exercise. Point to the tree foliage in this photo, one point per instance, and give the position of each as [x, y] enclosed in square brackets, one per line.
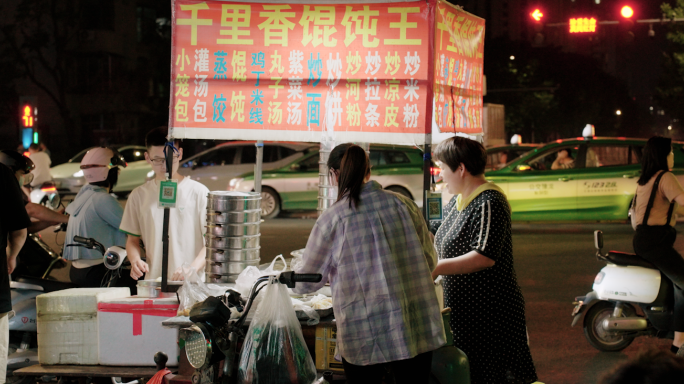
[670, 92]
[550, 94]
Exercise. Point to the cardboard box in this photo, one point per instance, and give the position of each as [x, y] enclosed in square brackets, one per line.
[326, 349]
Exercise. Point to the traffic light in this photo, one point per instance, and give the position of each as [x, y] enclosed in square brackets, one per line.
[537, 17]
[626, 23]
[28, 120]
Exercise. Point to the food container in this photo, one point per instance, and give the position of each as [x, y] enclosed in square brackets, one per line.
[253, 216]
[225, 255]
[221, 279]
[223, 201]
[239, 242]
[152, 288]
[233, 230]
[229, 267]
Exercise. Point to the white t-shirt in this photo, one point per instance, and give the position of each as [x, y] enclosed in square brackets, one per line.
[187, 224]
[41, 173]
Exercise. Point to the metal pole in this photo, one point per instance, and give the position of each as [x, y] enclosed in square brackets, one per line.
[327, 194]
[259, 165]
[168, 154]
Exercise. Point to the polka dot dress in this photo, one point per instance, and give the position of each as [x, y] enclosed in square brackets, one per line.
[487, 307]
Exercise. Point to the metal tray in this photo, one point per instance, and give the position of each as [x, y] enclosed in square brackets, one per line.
[221, 279]
[238, 242]
[226, 255]
[229, 267]
[233, 230]
[226, 203]
[253, 216]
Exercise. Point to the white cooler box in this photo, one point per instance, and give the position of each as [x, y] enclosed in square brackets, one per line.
[131, 330]
[67, 324]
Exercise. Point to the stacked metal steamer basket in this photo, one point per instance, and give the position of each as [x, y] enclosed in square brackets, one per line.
[232, 237]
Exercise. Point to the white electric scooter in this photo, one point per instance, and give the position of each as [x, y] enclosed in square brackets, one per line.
[23, 349]
[612, 322]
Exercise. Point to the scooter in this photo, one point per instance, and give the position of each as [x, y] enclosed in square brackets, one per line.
[32, 280]
[611, 322]
[217, 331]
[46, 195]
[29, 279]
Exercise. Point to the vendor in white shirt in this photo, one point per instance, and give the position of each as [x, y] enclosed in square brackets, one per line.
[143, 218]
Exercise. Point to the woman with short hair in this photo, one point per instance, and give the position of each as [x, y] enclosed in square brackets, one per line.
[475, 250]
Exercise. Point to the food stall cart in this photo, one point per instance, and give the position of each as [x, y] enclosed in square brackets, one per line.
[400, 72]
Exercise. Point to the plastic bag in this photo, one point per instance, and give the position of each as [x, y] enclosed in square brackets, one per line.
[194, 290]
[300, 305]
[249, 275]
[274, 351]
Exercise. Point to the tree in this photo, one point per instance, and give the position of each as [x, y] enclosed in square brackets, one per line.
[670, 92]
[551, 94]
[38, 42]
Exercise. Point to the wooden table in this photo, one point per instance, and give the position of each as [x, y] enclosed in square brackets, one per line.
[86, 371]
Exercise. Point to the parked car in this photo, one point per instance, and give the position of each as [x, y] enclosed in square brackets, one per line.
[294, 186]
[216, 167]
[599, 187]
[68, 177]
[499, 156]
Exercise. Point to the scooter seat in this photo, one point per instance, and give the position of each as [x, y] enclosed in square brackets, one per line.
[48, 285]
[625, 259]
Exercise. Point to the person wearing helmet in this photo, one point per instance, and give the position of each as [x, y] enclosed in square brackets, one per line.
[94, 213]
[42, 216]
[13, 224]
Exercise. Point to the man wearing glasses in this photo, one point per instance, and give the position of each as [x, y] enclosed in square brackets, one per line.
[143, 217]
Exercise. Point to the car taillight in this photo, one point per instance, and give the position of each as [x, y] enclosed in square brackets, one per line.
[435, 171]
[49, 189]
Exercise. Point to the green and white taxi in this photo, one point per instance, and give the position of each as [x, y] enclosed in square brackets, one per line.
[295, 186]
[597, 181]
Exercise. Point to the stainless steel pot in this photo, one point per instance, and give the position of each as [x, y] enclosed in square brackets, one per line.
[253, 216]
[239, 242]
[233, 230]
[148, 288]
[223, 201]
[225, 255]
[229, 267]
[221, 279]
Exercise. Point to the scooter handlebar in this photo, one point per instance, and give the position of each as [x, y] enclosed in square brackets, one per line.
[290, 278]
[82, 240]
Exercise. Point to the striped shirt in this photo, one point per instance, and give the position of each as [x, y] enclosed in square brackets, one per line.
[378, 258]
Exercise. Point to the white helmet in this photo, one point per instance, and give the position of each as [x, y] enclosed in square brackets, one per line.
[98, 161]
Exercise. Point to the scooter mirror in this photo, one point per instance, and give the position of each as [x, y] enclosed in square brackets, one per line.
[55, 201]
[598, 239]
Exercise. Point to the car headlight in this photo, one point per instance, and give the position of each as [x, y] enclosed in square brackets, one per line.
[234, 184]
[78, 174]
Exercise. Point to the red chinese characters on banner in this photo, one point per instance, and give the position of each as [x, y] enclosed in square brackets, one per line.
[297, 69]
[459, 54]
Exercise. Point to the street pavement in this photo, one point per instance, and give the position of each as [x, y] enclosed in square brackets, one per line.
[554, 263]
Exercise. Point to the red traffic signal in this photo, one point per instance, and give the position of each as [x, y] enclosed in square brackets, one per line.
[626, 12]
[537, 15]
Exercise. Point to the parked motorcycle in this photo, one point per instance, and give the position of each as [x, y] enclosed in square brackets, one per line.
[30, 278]
[215, 336]
[612, 322]
[35, 262]
[46, 195]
